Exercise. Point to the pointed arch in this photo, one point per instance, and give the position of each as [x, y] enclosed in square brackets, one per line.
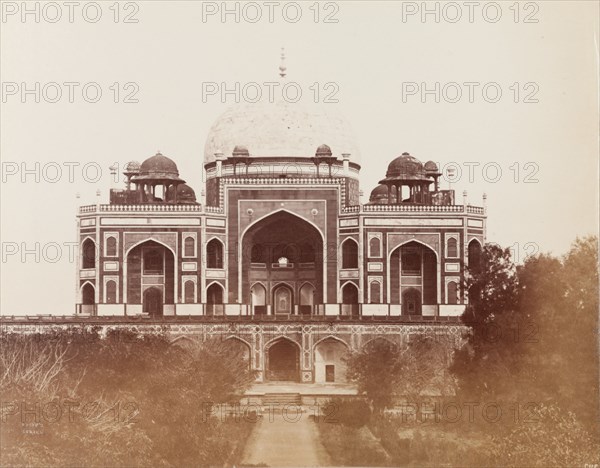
[214, 253]
[215, 286]
[380, 339]
[111, 291]
[329, 358]
[88, 293]
[375, 291]
[133, 246]
[431, 270]
[272, 341]
[474, 250]
[189, 291]
[235, 337]
[452, 247]
[332, 337]
[283, 299]
[349, 253]
[182, 340]
[111, 246]
[189, 246]
[282, 356]
[282, 233]
[452, 292]
[258, 298]
[89, 253]
[375, 247]
[243, 345]
[349, 287]
[135, 266]
[282, 210]
[408, 241]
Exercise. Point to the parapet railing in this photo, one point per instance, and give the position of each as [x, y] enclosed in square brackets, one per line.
[414, 208]
[282, 180]
[155, 207]
[179, 319]
[165, 207]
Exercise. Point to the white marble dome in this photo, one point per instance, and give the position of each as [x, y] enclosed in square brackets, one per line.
[280, 129]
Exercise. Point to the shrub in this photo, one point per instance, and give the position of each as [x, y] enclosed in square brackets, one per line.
[351, 413]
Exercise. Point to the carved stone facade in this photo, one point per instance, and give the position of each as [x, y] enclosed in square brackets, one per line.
[259, 338]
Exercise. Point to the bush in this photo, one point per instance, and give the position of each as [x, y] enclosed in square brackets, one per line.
[349, 446]
[73, 398]
[351, 413]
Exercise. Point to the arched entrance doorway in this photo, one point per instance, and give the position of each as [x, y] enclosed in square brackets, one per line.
[153, 303]
[413, 277]
[88, 299]
[214, 299]
[238, 351]
[151, 263]
[411, 302]
[330, 364]
[283, 363]
[349, 299]
[307, 299]
[259, 299]
[283, 247]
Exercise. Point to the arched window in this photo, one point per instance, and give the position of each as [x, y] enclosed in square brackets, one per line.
[259, 299]
[153, 261]
[451, 248]
[214, 254]
[350, 294]
[452, 292]
[111, 292]
[350, 300]
[349, 254]
[111, 246]
[474, 255]
[283, 299]
[189, 292]
[88, 254]
[375, 247]
[188, 247]
[214, 294]
[214, 299]
[87, 294]
[375, 292]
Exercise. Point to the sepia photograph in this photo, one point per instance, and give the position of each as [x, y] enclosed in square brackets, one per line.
[299, 233]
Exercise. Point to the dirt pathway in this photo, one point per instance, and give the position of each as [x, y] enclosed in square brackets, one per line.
[276, 441]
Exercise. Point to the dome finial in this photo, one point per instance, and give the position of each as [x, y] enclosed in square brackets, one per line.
[282, 67]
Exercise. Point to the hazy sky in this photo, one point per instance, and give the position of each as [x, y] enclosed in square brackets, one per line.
[372, 53]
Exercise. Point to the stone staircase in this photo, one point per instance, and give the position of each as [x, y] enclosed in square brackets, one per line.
[279, 400]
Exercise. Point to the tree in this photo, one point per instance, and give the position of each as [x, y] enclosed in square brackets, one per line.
[487, 366]
[134, 400]
[376, 371]
[385, 371]
[535, 341]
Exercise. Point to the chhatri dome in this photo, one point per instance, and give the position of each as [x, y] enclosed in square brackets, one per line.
[281, 129]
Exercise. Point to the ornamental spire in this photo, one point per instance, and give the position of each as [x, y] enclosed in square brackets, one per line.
[282, 67]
